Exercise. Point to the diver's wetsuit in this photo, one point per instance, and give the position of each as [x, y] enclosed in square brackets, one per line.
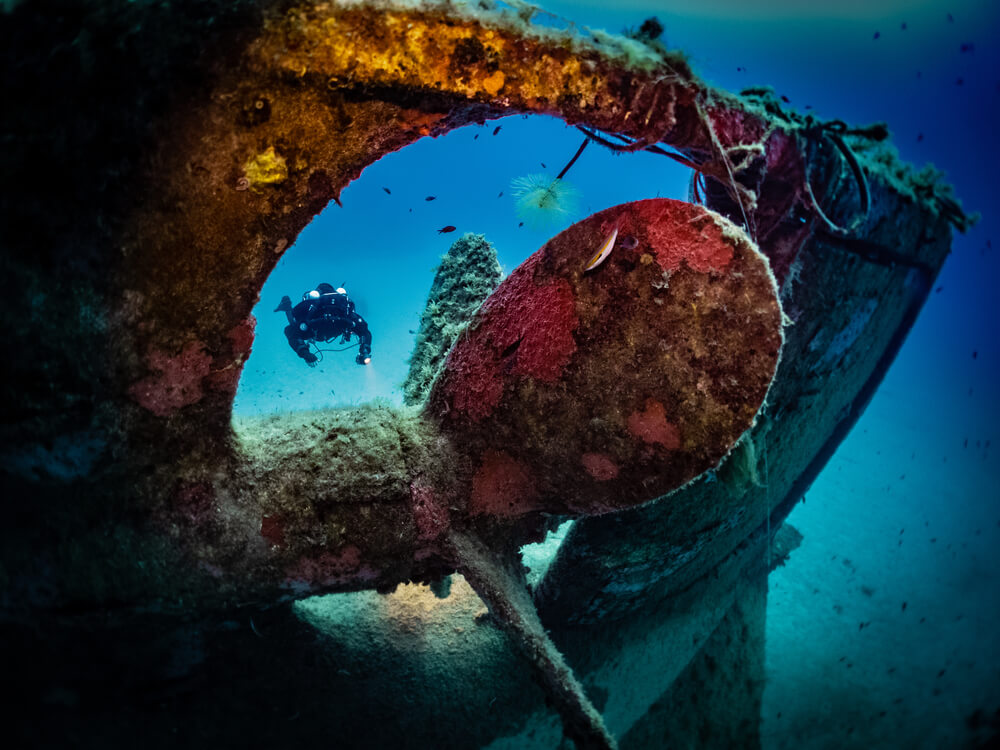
[323, 319]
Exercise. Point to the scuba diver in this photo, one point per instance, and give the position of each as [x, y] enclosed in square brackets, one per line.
[324, 314]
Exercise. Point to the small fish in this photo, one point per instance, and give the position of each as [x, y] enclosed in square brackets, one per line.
[475, 136]
[602, 252]
[785, 99]
[543, 165]
[501, 194]
[902, 26]
[520, 224]
[445, 230]
[387, 191]
[951, 18]
[920, 137]
[430, 198]
[967, 47]
[959, 81]
[877, 35]
[497, 129]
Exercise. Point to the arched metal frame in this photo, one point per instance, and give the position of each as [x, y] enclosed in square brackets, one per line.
[290, 105]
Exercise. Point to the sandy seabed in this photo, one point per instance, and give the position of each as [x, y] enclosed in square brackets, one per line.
[882, 628]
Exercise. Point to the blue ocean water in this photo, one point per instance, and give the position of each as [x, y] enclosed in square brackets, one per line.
[908, 510]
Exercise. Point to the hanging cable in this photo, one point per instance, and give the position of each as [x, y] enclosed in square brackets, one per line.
[319, 352]
[835, 130]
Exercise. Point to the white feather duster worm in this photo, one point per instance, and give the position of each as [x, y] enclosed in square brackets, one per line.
[543, 201]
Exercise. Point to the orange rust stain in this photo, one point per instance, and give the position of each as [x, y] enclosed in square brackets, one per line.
[423, 123]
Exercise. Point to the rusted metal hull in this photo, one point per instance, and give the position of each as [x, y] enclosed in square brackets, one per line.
[134, 509]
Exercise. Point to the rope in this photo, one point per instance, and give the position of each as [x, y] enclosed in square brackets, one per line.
[573, 160]
[834, 130]
[729, 168]
[629, 146]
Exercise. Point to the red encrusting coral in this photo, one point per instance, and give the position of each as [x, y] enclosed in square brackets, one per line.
[600, 466]
[241, 336]
[651, 426]
[540, 320]
[735, 127]
[226, 379]
[429, 514]
[693, 239]
[273, 530]
[502, 486]
[178, 382]
[226, 370]
[743, 135]
[526, 329]
[325, 569]
[475, 384]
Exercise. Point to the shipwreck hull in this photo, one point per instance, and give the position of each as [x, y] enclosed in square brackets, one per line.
[137, 548]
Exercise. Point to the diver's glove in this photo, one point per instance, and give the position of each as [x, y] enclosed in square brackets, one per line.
[285, 305]
[309, 357]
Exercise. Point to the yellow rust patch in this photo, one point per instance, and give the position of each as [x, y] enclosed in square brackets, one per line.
[494, 83]
[266, 168]
[414, 49]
